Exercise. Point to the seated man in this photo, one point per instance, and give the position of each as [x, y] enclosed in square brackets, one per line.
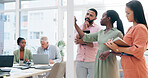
[51, 50]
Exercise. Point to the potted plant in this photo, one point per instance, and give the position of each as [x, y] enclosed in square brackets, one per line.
[61, 45]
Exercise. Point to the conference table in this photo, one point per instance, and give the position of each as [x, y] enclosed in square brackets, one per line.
[16, 72]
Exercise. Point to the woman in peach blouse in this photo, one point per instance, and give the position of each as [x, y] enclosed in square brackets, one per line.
[137, 37]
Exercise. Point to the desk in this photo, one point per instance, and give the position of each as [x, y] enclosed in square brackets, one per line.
[18, 73]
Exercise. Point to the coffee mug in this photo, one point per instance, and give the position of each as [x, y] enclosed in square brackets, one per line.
[21, 62]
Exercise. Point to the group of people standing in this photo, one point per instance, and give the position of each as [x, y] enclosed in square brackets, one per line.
[91, 63]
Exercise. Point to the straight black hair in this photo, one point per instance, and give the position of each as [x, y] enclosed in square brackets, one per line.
[92, 9]
[138, 11]
[115, 17]
[19, 40]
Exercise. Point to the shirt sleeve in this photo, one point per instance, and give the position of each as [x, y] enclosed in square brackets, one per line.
[14, 53]
[38, 51]
[95, 44]
[58, 55]
[140, 39]
[120, 35]
[92, 37]
[30, 56]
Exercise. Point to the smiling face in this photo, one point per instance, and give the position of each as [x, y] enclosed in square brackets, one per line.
[129, 14]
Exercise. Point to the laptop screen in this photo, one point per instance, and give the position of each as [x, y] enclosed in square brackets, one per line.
[6, 60]
[40, 59]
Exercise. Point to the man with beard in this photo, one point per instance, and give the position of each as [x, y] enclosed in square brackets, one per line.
[87, 51]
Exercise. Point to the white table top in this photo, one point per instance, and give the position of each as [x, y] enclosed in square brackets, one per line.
[18, 73]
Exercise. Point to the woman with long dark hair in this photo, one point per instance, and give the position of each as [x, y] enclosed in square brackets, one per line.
[137, 37]
[109, 67]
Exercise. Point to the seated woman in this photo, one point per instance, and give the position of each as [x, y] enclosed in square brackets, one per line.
[22, 53]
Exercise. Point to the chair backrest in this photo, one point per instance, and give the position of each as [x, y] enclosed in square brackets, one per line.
[58, 70]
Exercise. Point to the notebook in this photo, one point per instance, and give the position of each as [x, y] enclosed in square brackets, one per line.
[40, 59]
[118, 41]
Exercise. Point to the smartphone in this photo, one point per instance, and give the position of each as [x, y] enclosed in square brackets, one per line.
[86, 31]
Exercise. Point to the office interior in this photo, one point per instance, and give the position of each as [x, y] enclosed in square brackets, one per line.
[32, 19]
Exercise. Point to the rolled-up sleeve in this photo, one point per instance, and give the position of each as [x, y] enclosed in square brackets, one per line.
[140, 40]
[95, 44]
[92, 37]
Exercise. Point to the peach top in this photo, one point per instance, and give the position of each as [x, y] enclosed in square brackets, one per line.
[135, 66]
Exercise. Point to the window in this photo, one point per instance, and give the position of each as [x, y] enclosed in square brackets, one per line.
[24, 18]
[38, 3]
[40, 23]
[9, 5]
[8, 18]
[85, 2]
[36, 35]
[6, 35]
[37, 16]
[9, 31]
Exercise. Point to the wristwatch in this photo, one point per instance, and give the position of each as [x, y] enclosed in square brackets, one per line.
[85, 43]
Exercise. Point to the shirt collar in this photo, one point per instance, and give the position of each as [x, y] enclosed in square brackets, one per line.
[47, 48]
[114, 28]
[93, 25]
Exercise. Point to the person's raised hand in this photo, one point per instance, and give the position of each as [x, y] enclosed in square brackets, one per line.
[75, 20]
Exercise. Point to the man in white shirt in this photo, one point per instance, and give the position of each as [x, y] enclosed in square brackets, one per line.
[51, 50]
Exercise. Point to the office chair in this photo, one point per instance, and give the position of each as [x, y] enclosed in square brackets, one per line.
[58, 71]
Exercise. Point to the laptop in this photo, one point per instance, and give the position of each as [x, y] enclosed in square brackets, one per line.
[6, 60]
[40, 59]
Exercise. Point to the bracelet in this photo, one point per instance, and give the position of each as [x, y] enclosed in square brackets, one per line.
[121, 54]
[110, 51]
[85, 43]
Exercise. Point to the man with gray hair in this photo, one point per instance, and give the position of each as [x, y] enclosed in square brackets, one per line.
[51, 50]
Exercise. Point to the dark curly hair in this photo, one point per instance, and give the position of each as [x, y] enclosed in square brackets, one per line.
[92, 9]
[19, 40]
